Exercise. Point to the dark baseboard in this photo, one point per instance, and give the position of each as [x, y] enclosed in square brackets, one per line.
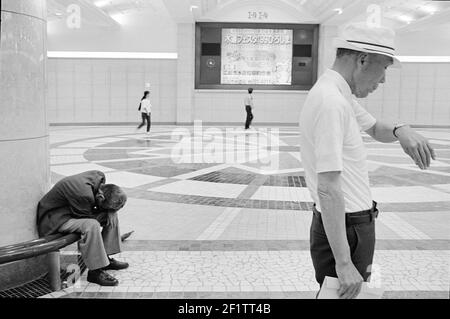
[264, 124]
[169, 123]
[108, 123]
[430, 126]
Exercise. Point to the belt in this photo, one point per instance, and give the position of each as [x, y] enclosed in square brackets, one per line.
[362, 217]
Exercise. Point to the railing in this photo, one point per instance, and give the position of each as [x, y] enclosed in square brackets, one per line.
[47, 245]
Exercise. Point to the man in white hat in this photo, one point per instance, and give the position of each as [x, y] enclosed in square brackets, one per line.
[342, 235]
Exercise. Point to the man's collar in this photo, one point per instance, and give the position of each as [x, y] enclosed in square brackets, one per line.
[340, 82]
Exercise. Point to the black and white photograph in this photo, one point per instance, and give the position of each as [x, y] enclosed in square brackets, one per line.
[226, 156]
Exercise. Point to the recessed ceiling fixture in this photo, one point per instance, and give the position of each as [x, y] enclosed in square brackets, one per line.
[119, 17]
[338, 10]
[405, 18]
[424, 59]
[102, 3]
[429, 9]
[111, 55]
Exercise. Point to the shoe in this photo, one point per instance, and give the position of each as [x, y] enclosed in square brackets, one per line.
[116, 265]
[101, 277]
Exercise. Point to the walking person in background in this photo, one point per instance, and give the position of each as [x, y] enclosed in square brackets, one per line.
[145, 109]
[248, 102]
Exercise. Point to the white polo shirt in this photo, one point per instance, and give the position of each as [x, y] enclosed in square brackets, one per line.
[248, 100]
[330, 140]
[146, 106]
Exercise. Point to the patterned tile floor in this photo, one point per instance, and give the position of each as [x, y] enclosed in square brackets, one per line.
[231, 220]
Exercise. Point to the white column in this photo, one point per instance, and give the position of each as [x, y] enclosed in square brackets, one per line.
[185, 73]
[327, 53]
[24, 151]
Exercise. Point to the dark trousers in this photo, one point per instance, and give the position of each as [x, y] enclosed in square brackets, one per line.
[145, 117]
[361, 239]
[249, 119]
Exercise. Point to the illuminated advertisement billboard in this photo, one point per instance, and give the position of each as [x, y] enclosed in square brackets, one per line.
[256, 56]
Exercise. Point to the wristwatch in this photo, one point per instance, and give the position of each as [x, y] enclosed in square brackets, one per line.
[396, 127]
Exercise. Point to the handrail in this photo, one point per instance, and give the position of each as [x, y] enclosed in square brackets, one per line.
[44, 245]
[31, 242]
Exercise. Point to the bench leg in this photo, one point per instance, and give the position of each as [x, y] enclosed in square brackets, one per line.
[54, 271]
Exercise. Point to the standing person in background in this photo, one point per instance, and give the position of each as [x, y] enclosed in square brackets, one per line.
[145, 109]
[248, 102]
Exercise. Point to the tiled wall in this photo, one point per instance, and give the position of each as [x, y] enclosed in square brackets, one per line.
[185, 72]
[418, 93]
[88, 91]
[228, 106]
[106, 90]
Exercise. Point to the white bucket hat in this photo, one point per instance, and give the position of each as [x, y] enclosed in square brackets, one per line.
[363, 38]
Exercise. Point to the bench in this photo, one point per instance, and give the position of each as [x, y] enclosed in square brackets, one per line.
[46, 245]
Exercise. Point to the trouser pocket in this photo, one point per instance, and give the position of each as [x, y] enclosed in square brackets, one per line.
[361, 240]
[363, 248]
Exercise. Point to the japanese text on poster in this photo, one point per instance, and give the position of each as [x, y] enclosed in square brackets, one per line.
[256, 56]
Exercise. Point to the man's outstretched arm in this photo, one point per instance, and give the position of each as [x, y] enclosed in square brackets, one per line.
[414, 144]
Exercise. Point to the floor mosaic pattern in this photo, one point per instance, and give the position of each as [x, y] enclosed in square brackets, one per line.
[228, 216]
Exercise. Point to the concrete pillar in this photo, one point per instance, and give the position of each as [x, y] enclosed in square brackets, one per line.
[24, 149]
[185, 73]
[327, 53]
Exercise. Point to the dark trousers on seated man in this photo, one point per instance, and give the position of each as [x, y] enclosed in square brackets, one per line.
[360, 229]
[98, 241]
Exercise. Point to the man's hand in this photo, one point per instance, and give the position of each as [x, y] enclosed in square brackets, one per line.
[416, 146]
[350, 281]
[111, 219]
[107, 219]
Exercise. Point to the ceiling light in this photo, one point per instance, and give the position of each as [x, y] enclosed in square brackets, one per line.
[193, 7]
[111, 55]
[102, 3]
[119, 18]
[424, 59]
[429, 9]
[58, 14]
[338, 10]
[405, 18]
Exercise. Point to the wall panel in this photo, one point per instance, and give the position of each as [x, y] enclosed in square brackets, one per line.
[109, 91]
[418, 93]
[88, 91]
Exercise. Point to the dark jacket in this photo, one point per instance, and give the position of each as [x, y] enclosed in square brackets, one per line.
[71, 197]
